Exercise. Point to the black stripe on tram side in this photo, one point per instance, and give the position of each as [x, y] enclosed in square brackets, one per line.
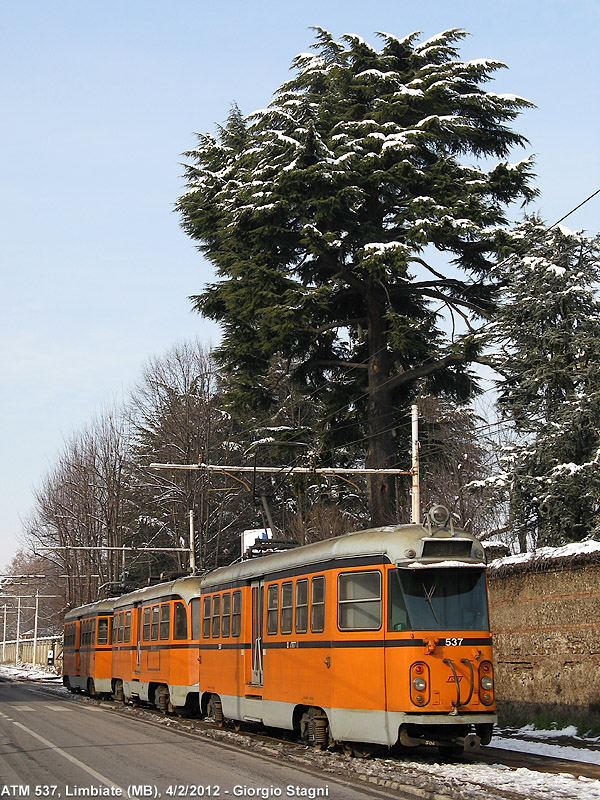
[308, 569]
[297, 644]
[156, 647]
[190, 646]
[356, 643]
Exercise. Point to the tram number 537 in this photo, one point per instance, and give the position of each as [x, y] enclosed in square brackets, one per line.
[453, 642]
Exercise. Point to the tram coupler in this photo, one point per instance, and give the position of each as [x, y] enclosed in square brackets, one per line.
[470, 742]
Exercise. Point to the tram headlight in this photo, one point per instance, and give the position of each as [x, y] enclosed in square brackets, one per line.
[486, 683]
[420, 693]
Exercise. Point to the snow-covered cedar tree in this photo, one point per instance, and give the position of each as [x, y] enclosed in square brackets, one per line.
[548, 332]
[320, 210]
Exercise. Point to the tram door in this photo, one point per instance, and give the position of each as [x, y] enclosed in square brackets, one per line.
[138, 648]
[77, 645]
[257, 590]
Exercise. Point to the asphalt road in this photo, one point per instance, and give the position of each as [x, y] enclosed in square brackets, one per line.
[52, 747]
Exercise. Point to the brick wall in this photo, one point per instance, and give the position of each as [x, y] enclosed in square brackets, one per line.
[545, 619]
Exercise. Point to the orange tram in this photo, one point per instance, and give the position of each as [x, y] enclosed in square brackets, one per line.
[376, 637]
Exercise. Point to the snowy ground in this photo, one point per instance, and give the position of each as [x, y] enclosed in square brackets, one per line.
[457, 780]
[531, 740]
[27, 672]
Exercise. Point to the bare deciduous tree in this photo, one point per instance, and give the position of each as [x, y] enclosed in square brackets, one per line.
[79, 504]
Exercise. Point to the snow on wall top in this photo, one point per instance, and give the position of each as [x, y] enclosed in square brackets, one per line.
[547, 558]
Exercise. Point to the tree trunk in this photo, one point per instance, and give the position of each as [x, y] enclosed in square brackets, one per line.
[380, 453]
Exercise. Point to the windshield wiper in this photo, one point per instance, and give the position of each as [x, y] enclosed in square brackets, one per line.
[429, 595]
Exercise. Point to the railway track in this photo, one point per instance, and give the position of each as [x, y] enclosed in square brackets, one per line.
[256, 738]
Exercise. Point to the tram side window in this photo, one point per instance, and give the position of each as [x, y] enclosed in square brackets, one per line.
[120, 628]
[206, 617]
[127, 626]
[102, 630]
[70, 635]
[272, 608]
[146, 625]
[226, 617]
[154, 626]
[236, 613]
[301, 622]
[180, 621]
[216, 615]
[195, 610]
[165, 620]
[317, 604]
[359, 601]
[287, 607]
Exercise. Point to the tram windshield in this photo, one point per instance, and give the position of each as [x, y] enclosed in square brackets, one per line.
[437, 599]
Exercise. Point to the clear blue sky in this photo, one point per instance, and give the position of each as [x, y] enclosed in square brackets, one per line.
[100, 99]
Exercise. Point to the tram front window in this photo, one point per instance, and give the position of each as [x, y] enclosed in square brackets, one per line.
[437, 599]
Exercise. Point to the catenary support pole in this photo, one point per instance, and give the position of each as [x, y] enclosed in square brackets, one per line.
[192, 544]
[416, 489]
[18, 631]
[35, 626]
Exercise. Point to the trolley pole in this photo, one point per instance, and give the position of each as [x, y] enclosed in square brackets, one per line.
[416, 489]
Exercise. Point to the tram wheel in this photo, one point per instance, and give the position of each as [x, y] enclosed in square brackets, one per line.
[360, 749]
[118, 694]
[91, 689]
[314, 728]
[214, 710]
[162, 699]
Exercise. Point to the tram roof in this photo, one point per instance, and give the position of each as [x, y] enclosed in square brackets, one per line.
[185, 588]
[91, 609]
[391, 542]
